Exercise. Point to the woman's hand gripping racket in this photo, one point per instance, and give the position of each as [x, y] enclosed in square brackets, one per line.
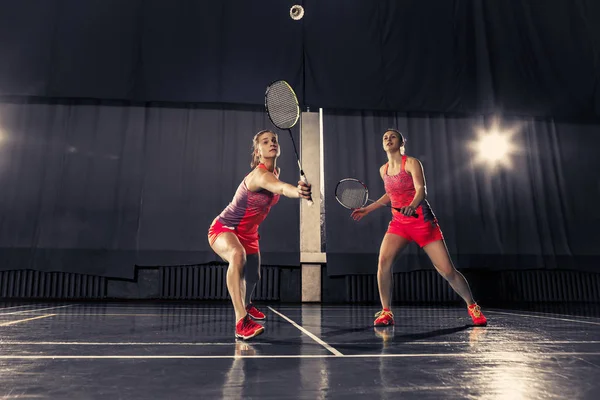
[282, 108]
[353, 194]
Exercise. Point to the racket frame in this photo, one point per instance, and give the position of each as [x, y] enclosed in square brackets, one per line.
[367, 199]
[289, 129]
[267, 104]
[352, 180]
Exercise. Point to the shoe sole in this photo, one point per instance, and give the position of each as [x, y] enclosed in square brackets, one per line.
[258, 319]
[256, 333]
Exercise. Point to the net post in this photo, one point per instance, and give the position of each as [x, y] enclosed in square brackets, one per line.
[312, 258]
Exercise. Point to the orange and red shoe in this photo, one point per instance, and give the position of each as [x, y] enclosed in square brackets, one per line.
[384, 318]
[476, 315]
[254, 312]
[246, 328]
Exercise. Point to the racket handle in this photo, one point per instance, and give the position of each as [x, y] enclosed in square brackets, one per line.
[303, 179]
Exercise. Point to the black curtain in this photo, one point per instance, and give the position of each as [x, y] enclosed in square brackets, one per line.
[523, 57]
[223, 51]
[526, 57]
[539, 213]
[98, 187]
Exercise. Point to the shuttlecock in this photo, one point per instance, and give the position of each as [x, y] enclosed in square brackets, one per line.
[296, 12]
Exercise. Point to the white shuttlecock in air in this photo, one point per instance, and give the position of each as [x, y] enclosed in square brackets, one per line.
[297, 12]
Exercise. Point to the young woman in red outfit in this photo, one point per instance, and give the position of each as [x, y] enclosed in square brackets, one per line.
[404, 183]
[233, 235]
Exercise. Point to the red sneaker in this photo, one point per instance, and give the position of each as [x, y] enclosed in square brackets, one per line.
[476, 315]
[254, 312]
[384, 318]
[246, 328]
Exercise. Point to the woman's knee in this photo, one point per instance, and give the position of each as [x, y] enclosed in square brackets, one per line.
[385, 262]
[448, 272]
[237, 257]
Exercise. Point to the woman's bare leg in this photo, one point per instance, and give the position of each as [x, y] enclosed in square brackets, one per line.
[438, 254]
[229, 248]
[391, 246]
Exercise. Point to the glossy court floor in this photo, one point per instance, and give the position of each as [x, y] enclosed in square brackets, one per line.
[187, 351]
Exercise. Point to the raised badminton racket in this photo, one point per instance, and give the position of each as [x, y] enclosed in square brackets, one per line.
[282, 108]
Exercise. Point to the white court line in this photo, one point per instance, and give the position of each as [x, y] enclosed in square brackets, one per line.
[25, 320]
[506, 356]
[166, 314]
[26, 305]
[102, 306]
[512, 342]
[309, 334]
[14, 343]
[306, 307]
[491, 341]
[38, 309]
[541, 313]
[543, 317]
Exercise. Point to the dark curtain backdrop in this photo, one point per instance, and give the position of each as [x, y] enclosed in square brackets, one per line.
[540, 213]
[91, 183]
[97, 188]
[528, 57]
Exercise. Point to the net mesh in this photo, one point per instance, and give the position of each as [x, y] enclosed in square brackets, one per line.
[351, 193]
[282, 105]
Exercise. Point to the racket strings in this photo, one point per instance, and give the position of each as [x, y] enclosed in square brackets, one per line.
[282, 105]
[351, 194]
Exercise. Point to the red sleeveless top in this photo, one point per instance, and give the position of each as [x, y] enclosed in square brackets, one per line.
[401, 191]
[248, 209]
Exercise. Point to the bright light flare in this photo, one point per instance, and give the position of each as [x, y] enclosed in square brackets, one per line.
[494, 147]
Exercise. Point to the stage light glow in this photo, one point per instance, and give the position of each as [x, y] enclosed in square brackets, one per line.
[494, 147]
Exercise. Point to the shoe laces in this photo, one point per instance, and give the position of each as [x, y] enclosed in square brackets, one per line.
[249, 322]
[476, 310]
[246, 321]
[384, 313]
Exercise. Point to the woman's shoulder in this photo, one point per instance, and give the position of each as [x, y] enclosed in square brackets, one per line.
[412, 160]
[255, 176]
[252, 178]
[257, 173]
[262, 171]
[413, 165]
[383, 170]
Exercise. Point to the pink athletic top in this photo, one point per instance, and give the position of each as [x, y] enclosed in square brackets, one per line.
[248, 209]
[401, 191]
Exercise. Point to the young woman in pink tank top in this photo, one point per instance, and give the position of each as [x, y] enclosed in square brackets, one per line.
[233, 235]
[404, 183]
